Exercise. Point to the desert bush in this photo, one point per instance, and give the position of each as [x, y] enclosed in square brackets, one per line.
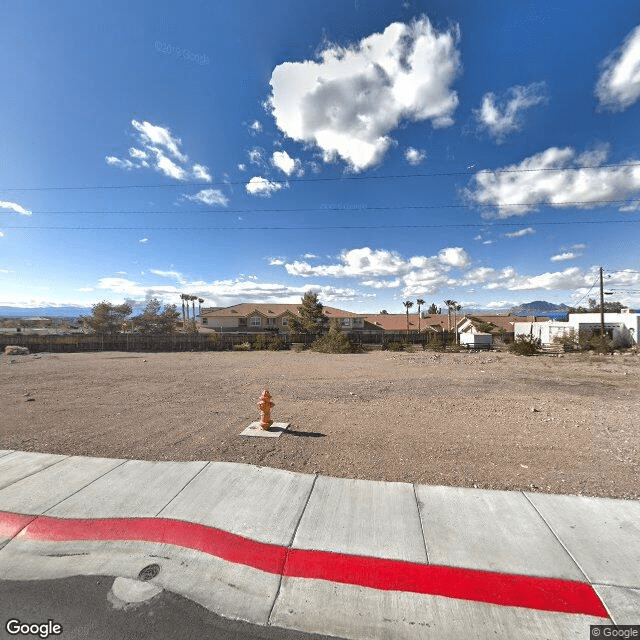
[214, 340]
[298, 347]
[525, 346]
[335, 341]
[275, 343]
[244, 346]
[595, 342]
[568, 341]
[394, 346]
[260, 342]
[436, 343]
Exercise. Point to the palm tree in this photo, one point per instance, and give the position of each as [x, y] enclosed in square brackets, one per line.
[193, 305]
[187, 297]
[450, 304]
[182, 297]
[419, 302]
[456, 308]
[408, 304]
[200, 301]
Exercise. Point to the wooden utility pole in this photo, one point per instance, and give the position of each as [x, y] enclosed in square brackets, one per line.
[601, 304]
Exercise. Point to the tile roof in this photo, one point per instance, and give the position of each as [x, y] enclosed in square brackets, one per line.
[398, 321]
[270, 310]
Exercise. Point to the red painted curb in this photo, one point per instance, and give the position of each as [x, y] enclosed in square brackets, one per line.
[544, 594]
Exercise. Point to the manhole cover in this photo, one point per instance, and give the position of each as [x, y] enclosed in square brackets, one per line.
[149, 572]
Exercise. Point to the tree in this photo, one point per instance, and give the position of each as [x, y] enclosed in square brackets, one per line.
[419, 302]
[456, 307]
[106, 317]
[155, 320]
[312, 319]
[449, 304]
[433, 310]
[335, 341]
[408, 304]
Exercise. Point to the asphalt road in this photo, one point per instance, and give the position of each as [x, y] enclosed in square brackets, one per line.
[80, 605]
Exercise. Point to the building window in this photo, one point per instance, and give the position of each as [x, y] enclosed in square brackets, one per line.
[256, 321]
[345, 322]
[285, 322]
[271, 322]
[242, 322]
[205, 321]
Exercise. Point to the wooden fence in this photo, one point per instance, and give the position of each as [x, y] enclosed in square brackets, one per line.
[55, 343]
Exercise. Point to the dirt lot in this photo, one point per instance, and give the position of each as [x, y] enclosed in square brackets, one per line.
[565, 424]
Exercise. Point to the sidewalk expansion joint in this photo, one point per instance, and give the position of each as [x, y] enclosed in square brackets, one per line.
[286, 555]
[183, 488]
[33, 473]
[555, 535]
[424, 538]
[81, 488]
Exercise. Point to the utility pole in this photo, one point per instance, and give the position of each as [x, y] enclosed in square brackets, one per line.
[601, 304]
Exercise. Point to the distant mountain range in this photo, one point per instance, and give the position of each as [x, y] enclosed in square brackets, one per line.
[541, 308]
[536, 308]
[44, 312]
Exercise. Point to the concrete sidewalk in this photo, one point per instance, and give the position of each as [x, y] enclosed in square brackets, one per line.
[348, 558]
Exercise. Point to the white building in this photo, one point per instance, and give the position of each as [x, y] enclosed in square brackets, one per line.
[623, 328]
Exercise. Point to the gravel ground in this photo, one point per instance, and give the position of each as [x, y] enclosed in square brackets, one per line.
[564, 424]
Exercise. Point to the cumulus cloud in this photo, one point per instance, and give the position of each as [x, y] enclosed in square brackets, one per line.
[2, 234]
[15, 207]
[143, 240]
[283, 161]
[209, 197]
[350, 99]
[561, 257]
[259, 186]
[414, 156]
[242, 166]
[619, 84]
[454, 256]
[256, 155]
[556, 177]
[255, 127]
[160, 150]
[503, 115]
[276, 262]
[222, 292]
[520, 233]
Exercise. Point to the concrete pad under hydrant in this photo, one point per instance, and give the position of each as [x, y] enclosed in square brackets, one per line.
[274, 431]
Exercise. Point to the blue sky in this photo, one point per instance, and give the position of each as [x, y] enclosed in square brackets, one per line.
[372, 151]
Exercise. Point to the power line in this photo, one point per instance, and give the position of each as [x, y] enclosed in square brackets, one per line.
[341, 209]
[318, 228]
[338, 179]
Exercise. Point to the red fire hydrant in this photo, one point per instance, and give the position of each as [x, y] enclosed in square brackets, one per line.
[265, 405]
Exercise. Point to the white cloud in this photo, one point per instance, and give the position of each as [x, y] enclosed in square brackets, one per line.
[2, 234]
[454, 256]
[224, 292]
[418, 274]
[121, 164]
[501, 116]
[15, 207]
[255, 127]
[382, 284]
[579, 246]
[200, 172]
[283, 161]
[209, 197]
[143, 240]
[309, 256]
[259, 186]
[564, 178]
[173, 275]
[155, 136]
[160, 151]
[276, 262]
[520, 233]
[242, 166]
[619, 84]
[349, 100]
[561, 257]
[414, 156]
